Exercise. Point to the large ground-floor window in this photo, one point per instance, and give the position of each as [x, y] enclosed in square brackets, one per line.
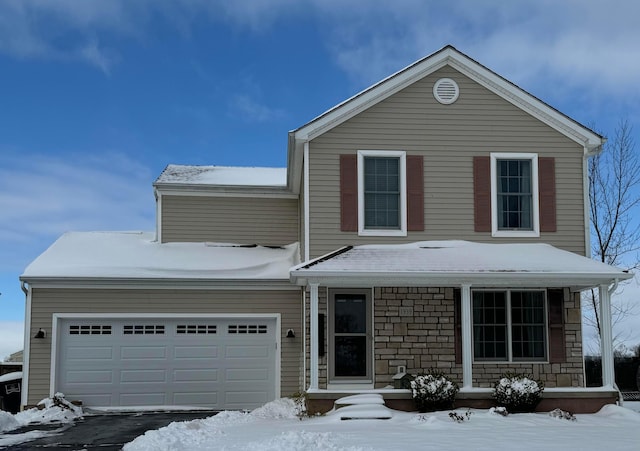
[509, 325]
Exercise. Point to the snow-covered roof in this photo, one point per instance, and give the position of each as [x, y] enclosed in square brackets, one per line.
[16, 375]
[445, 262]
[135, 255]
[175, 174]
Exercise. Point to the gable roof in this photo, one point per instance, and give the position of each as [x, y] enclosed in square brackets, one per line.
[449, 55]
[438, 263]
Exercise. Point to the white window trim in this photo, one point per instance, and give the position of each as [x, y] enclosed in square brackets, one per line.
[402, 155]
[510, 359]
[340, 383]
[533, 157]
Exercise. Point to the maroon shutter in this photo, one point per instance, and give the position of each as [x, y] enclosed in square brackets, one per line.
[556, 325]
[457, 324]
[547, 193]
[482, 194]
[415, 193]
[348, 193]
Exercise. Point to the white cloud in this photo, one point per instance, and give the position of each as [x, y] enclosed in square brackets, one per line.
[11, 338]
[580, 43]
[42, 197]
[250, 110]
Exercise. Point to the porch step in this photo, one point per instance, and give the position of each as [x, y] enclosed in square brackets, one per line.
[368, 406]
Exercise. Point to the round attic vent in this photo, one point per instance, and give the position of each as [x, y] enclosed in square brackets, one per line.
[446, 91]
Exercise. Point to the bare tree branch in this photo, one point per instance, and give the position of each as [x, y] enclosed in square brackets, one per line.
[614, 185]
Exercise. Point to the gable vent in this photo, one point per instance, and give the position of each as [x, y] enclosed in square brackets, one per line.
[446, 91]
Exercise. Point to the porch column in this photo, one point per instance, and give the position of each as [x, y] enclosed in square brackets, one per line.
[467, 350]
[606, 337]
[313, 311]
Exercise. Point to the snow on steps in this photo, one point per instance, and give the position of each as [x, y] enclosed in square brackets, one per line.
[368, 406]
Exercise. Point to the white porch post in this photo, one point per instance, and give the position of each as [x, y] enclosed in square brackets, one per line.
[313, 311]
[606, 337]
[467, 350]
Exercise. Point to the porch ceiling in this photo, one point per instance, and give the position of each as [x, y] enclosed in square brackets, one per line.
[454, 263]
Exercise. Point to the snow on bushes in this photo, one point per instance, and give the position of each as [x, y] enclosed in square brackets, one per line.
[433, 391]
[518, 392]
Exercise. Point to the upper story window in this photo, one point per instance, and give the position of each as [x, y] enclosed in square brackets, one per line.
[382, 193]
[514, 194]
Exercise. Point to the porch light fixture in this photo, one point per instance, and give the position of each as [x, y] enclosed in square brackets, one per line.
[291, 334]
[40, 334]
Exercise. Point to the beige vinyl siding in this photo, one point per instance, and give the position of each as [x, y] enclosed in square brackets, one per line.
[448, 136]
[46, 302]
[244, 220]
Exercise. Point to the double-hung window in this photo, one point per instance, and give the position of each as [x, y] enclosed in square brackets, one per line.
[514, 198]
[382, 193]
[509, 325]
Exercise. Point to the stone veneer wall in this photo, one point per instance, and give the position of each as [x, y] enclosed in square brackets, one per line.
[414, 327]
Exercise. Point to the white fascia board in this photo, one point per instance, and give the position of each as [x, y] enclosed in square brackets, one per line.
[226, 191]
[161, 284]
[530, 279]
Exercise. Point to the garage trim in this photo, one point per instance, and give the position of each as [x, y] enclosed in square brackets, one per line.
[58, 317]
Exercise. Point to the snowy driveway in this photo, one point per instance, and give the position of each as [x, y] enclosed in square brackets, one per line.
[108, 431]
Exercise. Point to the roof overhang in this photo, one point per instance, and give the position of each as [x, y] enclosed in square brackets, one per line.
[456, 263]
[158, 283]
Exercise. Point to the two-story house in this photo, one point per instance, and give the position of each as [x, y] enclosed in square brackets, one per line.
[437, 219]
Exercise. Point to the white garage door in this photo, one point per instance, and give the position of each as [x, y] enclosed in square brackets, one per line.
[221, 363]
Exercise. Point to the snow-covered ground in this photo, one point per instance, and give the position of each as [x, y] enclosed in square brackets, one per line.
[54, 410]
[276, 427]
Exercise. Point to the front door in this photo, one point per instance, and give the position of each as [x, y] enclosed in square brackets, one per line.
[350, 336]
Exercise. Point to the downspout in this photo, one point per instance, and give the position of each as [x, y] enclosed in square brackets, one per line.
[27, 343]
[306, 201]
[305, 208]
[587, 203]
[158, 197]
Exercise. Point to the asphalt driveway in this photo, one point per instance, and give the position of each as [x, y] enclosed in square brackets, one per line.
[103, 431]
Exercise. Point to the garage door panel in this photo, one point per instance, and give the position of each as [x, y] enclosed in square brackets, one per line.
[89, 377]
[219, 363]
[196, 375]
[146, 376]
[196, 352]
[90, 353]
[143, 352]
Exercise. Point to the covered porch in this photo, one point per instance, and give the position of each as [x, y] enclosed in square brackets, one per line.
[416, 307]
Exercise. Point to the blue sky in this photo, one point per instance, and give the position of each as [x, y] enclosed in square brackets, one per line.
[97, 97]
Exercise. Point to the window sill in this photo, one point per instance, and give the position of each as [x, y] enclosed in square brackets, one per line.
[515, 234]
[373, 232]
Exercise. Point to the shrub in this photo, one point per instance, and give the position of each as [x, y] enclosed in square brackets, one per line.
[518, 392]
[433, 391]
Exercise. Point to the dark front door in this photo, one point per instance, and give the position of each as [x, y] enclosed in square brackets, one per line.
[351, 336]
